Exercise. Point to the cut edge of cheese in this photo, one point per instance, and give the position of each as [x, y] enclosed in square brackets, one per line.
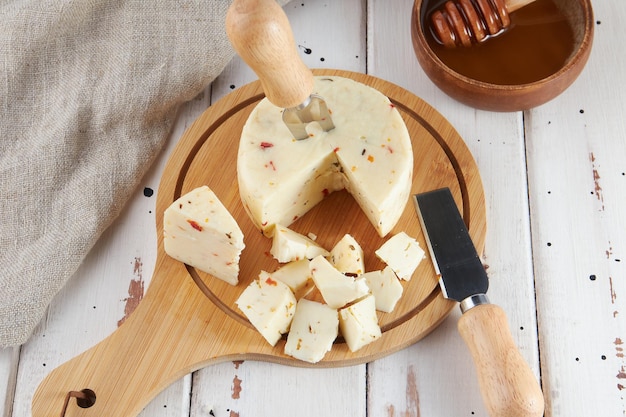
[200, 232]
[347, 256]
[289, 245]
[336, 288]
[386, 288]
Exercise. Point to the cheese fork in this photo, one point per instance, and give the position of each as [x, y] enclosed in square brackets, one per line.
[261, 34]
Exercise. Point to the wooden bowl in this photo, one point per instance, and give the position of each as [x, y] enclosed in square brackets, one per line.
[508, 97]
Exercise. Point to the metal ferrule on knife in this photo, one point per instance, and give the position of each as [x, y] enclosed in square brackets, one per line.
[473, 301]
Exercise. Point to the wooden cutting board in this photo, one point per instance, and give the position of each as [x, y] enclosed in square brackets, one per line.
[188, 320]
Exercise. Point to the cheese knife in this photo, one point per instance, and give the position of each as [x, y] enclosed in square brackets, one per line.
[261, 34]
[507, 384]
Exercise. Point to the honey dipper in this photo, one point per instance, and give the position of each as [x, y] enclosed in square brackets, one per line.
[464, 22]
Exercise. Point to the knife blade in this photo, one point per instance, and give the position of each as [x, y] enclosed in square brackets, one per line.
[449, 244]
[507, 384]
[260, 32]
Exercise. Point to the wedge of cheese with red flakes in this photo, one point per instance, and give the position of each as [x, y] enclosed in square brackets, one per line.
[296, 275]
[313, 330]
[288, 246]
[358, 323]
[336, 288]
[347, 256]
[402, 253]
[386, 288]
[270, 306]
[200, 232]
[368, 153]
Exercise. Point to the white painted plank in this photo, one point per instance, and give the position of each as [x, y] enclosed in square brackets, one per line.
[440, 363]
[263, 389]
[429, 378]
[334, 42]
[577, 154]
[334, 31]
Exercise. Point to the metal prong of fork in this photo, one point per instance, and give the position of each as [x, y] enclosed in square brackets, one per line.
[314, 109]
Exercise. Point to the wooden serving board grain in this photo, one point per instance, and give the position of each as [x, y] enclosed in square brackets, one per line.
[188, 320]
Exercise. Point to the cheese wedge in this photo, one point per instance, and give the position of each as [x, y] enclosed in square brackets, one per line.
[368, 153]
[199, 231]
[385, 287]
[270, 306]
[402, 253]
[288, 246]
[347, 256]
[296, 275]
[336, 288]
[358, 323]
[313, 330]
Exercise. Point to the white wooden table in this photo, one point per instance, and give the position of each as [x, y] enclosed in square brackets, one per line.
[555, 186]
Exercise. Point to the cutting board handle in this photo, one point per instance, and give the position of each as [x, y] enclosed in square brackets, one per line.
[508, 385]
[261, 34]
[175, 329]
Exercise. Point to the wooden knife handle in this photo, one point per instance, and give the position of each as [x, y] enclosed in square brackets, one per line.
[508, 386]
[261, 34]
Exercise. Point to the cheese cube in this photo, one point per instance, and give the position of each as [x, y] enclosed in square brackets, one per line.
[199, 231]
[288, 246]
[402, 253]
[347, 256]
[336, 288]
[314, 329]
[385, 287]
[270, 306]
[359, 324]
[296, 275]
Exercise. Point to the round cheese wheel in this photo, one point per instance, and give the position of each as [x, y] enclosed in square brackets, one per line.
[368, 153]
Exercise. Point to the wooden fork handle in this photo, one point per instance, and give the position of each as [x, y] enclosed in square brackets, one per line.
[261, 34]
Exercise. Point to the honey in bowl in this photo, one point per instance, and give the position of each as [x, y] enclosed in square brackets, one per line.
[537, 44]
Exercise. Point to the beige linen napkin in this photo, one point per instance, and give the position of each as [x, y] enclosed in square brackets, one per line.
[88, 93]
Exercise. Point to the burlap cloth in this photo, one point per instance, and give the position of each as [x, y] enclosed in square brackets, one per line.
[89, 90]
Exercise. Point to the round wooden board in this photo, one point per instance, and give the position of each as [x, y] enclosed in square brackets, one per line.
[441, 159]
[188, 320]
